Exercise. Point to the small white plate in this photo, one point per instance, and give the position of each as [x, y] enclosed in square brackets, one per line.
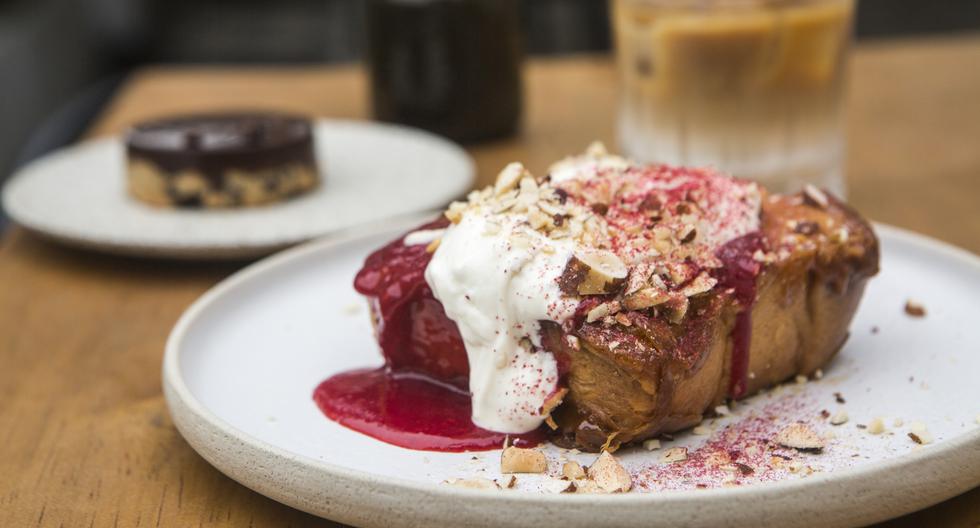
[371, 172]
[242, 363]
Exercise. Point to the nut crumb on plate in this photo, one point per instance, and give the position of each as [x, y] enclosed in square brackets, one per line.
[608, 475]
[839, 418]
[674, 454]
[474, 483]
[915, 308]
[519, 460]
[799, 437]
[653, 443]
[572, 470]
[919, 433]
[876, 426]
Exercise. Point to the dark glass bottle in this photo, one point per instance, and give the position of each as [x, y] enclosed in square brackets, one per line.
[449, 66]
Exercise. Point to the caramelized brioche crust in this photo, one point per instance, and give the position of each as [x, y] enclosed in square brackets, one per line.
[641, 376]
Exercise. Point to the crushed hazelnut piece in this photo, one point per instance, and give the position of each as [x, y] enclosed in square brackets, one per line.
[799, 437]
[701, 284]
[914, 308]
[876, 426]
[431, 248]
[653, 444]
[701, 430]
[723, 410]
[814, 196]
[508, 178]
[645, 298]
[608, 475]
[818, 374]
[801, 379]
[602, 310]
[687, 234]
[518, 460]
[455, 211]
[898, 422]
[572, 470]
[839, 419]
[674, 454]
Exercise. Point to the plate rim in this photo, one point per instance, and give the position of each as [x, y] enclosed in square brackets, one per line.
[181, 401]
[208, 250]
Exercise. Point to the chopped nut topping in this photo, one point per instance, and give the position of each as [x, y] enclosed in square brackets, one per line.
[915, 309]
[645, 298]
[455, 211]
[596, 272]
[801, 379]
[800, 437]
[572, 470]
[551, 403]
[508, 178]
[651, 444]
[431, 248]
[701, 430]
[602, 310]
[687, 234]
[701, 284]
[674, 454]
[608, 475]
[814, 196]
[518, 460]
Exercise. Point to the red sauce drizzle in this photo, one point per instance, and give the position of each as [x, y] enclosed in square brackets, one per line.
[410, 411]
[739, 271]
[418, 400]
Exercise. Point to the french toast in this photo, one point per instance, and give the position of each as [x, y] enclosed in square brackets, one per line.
[614, 302]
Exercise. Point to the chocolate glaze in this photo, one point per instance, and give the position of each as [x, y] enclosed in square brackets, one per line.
[215, 143]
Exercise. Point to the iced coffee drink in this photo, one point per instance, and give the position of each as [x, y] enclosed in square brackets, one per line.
[751, 87]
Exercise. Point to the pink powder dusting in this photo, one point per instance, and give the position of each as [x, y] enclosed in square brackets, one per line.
[744, 452]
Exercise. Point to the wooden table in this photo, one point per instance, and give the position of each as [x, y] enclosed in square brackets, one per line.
[85, 438]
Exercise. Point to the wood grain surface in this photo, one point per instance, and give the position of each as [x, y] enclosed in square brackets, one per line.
[85, 439]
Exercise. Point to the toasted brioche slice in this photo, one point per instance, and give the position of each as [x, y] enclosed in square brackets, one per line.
[638, 377]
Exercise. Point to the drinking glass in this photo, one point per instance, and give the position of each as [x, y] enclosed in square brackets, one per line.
[752, 87]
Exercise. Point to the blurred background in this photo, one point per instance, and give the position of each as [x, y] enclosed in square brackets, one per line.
[61, 60]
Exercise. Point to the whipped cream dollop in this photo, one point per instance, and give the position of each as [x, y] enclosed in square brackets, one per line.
[496, 279]
[498, 268]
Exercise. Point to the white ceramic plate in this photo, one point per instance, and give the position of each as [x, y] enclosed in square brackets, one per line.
[242, 363]
[372, 172]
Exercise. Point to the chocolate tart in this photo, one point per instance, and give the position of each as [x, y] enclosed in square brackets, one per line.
[221, 160]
